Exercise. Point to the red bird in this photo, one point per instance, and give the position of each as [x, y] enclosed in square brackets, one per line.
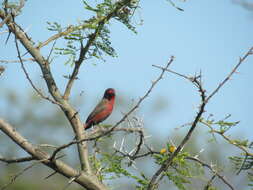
[102, 110]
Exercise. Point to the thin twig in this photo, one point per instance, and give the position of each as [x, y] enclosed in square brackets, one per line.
[50, 175]
[51, 51]
[211, 169]
[209, 183]
[241, 60]
[17, 160]
[230, 141]
[13, 178]
[29, 79]
[16, 61]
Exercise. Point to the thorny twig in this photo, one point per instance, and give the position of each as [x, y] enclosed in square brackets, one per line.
[122, 119]
[157, 176]
[204, 100]
[212, 170]
[241, 60]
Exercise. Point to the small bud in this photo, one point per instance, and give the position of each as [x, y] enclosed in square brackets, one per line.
[163, 150]
[172, 148]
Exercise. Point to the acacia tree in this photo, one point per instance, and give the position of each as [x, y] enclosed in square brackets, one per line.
[91, 39]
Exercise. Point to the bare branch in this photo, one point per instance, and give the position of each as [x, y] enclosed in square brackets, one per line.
[16, 61]
[212, 170]
[68, 110]
[85, 180]
[241, 60]
[17, 160]
[204, 100]
[29, 79]
[13, 178]
[154, 180]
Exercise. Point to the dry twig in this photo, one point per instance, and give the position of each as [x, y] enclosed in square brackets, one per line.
[204, 100]
[17, 160]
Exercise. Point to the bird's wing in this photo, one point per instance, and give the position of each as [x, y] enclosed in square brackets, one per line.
[98, 109]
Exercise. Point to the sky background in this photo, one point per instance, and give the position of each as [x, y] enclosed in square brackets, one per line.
[208, 36]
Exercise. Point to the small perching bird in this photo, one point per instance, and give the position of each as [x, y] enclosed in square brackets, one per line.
[102, 110]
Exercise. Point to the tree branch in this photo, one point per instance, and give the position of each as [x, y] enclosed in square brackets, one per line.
[212, 170]
[70, 29]
[226, 138]
[241, 60]
[17, 160]
[204, 100]
[29, 79]
[68, 110]
[13, 178]
[108, 131]
[90, 182]
[92, 37]
[17, 9]
[154, 180]
[16, 61]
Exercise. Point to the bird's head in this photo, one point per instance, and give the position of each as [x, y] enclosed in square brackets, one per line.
[109, 94]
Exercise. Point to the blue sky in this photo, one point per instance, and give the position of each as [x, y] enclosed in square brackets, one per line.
[208, 36]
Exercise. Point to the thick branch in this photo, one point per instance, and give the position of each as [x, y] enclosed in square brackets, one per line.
[90, 182]
[70, 113]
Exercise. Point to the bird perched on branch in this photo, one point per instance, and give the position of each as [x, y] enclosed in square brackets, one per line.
[102, 110]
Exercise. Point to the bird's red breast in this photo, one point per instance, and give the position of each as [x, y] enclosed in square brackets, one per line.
[102, 110]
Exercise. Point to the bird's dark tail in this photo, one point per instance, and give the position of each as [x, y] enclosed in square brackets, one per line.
[86, 126]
